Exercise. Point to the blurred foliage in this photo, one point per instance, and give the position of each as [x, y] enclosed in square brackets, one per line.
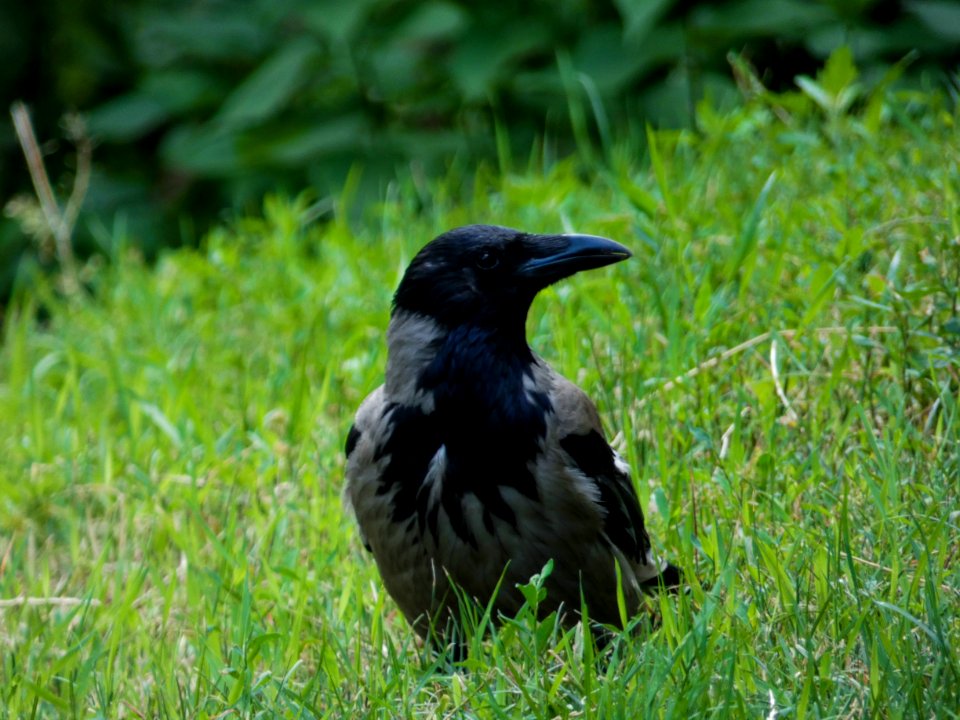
[203, 105]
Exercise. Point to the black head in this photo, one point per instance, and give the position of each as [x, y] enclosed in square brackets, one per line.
[489, 275]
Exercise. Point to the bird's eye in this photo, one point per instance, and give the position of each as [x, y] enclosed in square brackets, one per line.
[487, 260]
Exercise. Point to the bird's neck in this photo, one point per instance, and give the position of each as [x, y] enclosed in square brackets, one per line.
[487, 397]
[490, 410]
[412, 343]
[466, 361]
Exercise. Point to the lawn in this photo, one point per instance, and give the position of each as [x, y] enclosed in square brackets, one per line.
[779, 362]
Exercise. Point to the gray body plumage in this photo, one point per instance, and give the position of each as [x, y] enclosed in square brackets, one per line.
[476, 463]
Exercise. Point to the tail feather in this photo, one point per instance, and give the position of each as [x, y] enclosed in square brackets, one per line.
[669, 578]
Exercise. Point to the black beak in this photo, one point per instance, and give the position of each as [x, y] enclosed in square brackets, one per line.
[558, 256]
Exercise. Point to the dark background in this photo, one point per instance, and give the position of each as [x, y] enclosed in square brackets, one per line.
[197, 108]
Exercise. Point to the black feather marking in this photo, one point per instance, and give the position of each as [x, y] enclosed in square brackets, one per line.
[453, 505]
[591, 454]
[488, 520]
[623, 522]
[352, 438]
[412, 444]
[432, 514]
[671, 578]
[491, 425]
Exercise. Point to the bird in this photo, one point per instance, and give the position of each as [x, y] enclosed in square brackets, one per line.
[475, 465]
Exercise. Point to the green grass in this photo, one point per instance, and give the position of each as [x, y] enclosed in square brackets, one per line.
[172, 539]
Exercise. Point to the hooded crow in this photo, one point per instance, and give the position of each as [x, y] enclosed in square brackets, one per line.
[475, 463]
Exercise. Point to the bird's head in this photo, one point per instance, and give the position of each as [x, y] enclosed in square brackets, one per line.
[489, 275]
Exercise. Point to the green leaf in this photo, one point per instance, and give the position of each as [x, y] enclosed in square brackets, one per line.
[398, 70]
[432, 21]
[821, 282]
[254, 646]
[127, 117]
[873, 113]
[602, 56]
[534, 592]
[639, 197]
[336, 20]
[639, 18]
[940, 16]
[876, 43]
[747, 239]
[306, 143]
[816, 92]
[660, 170]
[202, 150]
[787, 18]
[912, 619]
[162, 422]
[836, 88]
[182, 90]
[164, 36]
[483, 57]
[839, 73]
[270, 86]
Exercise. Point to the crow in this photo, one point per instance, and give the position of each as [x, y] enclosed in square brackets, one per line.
[475, 463]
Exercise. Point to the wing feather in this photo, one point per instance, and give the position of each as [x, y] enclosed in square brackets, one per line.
[581, 438]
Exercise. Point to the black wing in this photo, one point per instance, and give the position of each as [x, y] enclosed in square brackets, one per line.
[623, 518]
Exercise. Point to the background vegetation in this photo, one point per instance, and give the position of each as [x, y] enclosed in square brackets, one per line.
[199, 107]
[780, 363]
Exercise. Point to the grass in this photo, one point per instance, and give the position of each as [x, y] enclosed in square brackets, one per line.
[780, 363]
